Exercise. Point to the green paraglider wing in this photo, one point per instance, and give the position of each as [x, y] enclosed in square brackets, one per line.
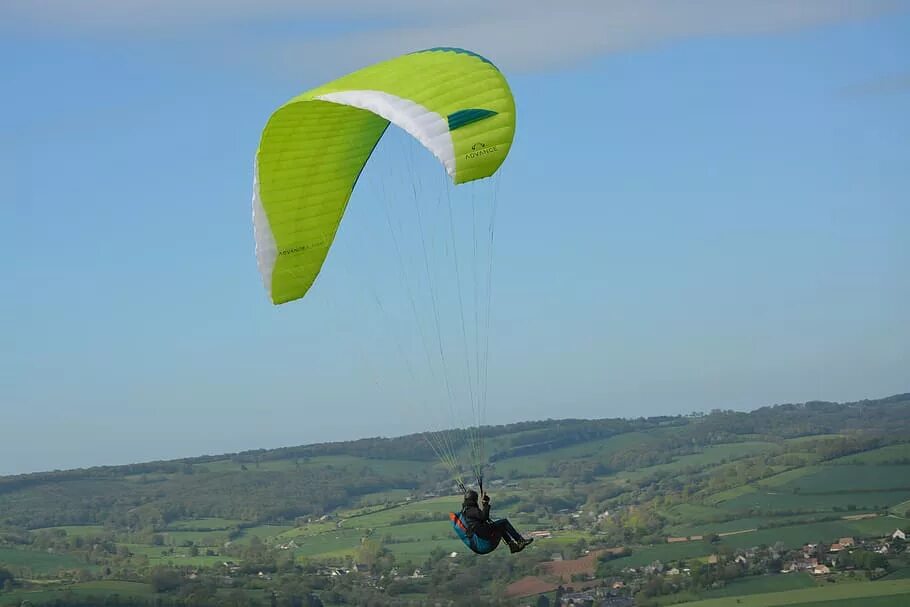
[456, 103]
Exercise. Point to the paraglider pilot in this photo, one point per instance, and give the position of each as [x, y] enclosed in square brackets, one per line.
[479, 532]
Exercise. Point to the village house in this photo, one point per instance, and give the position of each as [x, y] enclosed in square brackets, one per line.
[898, 535]
[821, 570]
[655, 567]
[804, 564]
[541, 534]
[577, 598]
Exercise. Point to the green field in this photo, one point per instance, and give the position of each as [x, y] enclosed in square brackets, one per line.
[686, 530]
[98, 588]
[538, 464]
[391, 496]
[879, 526]
[763, 584]
[419, 531]
[877, 456]
[894, 600]
[336, 543]
[788, 476]
[204, 524]
[263, 532]
[811, 438]
[417, 552]
[76, 530]
[692, 513]
[199, 538]
[897, 589]
[902, 573]
[39, 563]
[711, 456]
[833, 479]
[664, 553]
[902, 509]
[796, 535]
[348, 463]
[792, 537]
[796, 502]
[160, 555]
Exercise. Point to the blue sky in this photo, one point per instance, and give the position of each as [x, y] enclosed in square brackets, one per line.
[706, 206]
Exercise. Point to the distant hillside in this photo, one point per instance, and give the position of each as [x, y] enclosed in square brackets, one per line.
[661, 510]
[278, 485]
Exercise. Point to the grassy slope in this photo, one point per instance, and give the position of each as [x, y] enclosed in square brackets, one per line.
[537, 464]
[98, 588]
[38, 562]
[764, 584]
[820, 486]
[811, 596]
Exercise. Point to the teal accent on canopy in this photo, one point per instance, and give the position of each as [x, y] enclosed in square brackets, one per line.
[463, 117]
[455, 49]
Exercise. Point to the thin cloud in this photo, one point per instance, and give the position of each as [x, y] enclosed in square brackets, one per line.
[518, 34]
[522, 37]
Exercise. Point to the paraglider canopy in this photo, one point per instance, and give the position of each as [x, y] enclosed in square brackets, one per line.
[314, 147]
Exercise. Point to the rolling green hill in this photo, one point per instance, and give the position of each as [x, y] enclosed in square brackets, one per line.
[726, 499]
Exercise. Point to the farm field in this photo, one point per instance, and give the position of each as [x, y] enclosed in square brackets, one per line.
[75, 530]
[894, 600]
[346, 463]
[204, 524]
[60, 591]
[263, 532]
[200, 538]
[177, 556]
[740, 524]
[663, 552]
[886, 454]
[894, 591]
[851, 477]
[39, 563]
[777, 501]
[764, 584]
[538, 464]
[711, 456]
